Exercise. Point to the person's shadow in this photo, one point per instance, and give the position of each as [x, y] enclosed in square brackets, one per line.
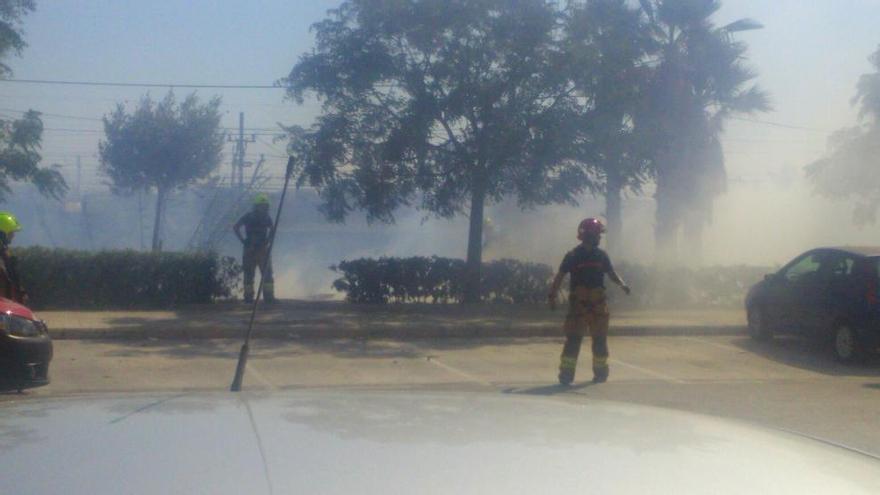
[548, 389]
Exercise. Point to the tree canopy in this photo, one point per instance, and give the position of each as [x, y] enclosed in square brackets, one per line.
[161, 145]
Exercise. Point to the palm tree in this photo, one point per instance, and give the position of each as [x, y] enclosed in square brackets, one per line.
[699, 81]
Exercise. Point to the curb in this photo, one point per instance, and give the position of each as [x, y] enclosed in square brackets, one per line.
[380, 332]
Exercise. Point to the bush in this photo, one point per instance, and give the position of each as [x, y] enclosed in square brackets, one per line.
[440, 280]
[61, 278]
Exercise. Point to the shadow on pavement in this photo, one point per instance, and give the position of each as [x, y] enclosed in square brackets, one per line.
[808, 354]
[549, 389]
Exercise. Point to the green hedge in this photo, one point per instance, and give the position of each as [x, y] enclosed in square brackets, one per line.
[61, 278]
[440, 280]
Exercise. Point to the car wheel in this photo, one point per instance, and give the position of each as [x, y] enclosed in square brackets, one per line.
[848, 347]
[757, 323]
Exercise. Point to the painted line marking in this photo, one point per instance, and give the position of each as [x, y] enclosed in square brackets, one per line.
[259, 376]
[464, 374]
[440, 364]
[655, 374]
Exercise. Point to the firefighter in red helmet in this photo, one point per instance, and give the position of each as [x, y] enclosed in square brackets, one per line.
[587, 264]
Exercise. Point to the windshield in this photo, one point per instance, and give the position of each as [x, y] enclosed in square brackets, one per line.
[586, 200]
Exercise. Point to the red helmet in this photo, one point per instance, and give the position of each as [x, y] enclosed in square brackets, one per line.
[590, 227]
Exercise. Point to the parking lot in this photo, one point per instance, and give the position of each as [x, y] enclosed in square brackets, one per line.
[786, 384]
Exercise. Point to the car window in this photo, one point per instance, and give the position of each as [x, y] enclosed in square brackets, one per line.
[803, 268]
[841, 266]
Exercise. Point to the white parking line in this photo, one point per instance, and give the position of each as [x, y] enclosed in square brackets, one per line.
[440, 364]
[655, 374]
[464, 374]
[259, 376]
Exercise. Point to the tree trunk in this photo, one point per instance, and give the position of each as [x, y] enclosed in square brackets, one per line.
[666, 224]
[693, 237]
[161, 196]
[614, 214]
[473, 265]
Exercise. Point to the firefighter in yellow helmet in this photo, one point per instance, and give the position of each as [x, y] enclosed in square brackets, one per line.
[587, 264]
[10, 284]
[257, 225]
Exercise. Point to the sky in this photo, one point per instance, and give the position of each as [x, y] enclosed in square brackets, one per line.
[808, 58]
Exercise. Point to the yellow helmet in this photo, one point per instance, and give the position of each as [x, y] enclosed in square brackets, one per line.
[261, 199]
[8, 223]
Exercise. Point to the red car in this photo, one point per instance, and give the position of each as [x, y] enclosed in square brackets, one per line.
[25, 347]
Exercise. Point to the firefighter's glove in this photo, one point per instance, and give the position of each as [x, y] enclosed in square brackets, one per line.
[626, 289]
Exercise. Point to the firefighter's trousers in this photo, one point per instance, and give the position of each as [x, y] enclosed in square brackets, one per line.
[588, 311]
[253, 257]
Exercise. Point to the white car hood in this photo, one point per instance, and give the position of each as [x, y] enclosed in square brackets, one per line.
[402, 442]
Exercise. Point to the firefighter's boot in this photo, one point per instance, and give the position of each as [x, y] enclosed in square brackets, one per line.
[600, 358]
[568, 360]
[600, 374]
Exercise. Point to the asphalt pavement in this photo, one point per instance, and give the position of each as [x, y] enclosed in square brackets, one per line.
[786, 384]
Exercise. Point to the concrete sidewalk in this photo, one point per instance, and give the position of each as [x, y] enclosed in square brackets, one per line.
[332, 319]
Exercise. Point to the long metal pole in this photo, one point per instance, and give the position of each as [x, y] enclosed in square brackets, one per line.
[245, 348]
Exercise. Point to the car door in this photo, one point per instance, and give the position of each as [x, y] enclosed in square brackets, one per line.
[788, 290]
[848, 287]
[820, 298]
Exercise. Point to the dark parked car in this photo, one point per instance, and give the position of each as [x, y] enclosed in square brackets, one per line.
[828, 293]
[25, 348]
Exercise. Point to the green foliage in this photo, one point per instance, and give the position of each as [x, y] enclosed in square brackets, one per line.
[11, 39]
[440, 280]
[162, 144]
[609, 41]
[60, 278]
[849, 168]
[20, 157]
[436, 97]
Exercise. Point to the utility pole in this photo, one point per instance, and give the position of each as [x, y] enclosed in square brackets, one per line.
[238, 163]
[78, 179]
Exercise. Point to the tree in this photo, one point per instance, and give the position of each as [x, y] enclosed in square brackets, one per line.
[699, 80]
[20, 139]
[161, 145]
[441, 104]
[849, 169]
[608, 43]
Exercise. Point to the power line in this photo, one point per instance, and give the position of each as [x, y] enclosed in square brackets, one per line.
[56, 115]
[277, 130]
[140, 84]
[778, 124]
